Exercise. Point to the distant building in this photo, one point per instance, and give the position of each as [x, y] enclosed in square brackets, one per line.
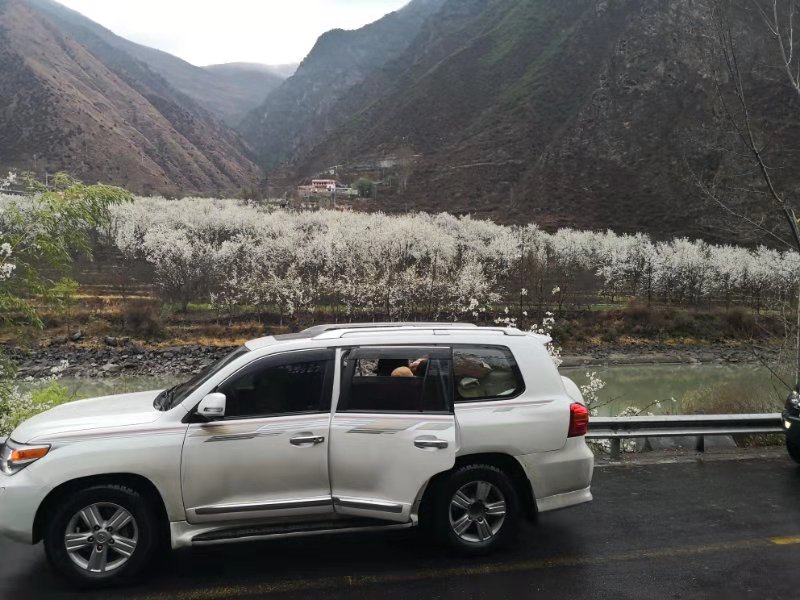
[324, 185]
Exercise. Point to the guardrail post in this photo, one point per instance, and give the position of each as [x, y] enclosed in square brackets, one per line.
[701, 443]
[616, 448]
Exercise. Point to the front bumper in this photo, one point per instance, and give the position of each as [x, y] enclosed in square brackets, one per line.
[20, 497]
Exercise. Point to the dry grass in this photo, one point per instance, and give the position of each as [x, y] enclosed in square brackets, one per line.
[140, 316]
[103, 310]
[738, 397]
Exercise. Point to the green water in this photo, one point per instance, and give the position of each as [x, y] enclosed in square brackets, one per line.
[680, 389]
[92, 387]
[626, 385]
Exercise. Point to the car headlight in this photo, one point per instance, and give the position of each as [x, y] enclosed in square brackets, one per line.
[15, 457]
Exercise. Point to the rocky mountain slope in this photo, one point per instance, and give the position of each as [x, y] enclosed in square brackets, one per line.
[78, 101]
[296, 114]
[242, 87]
[587, 113]
[228, 91]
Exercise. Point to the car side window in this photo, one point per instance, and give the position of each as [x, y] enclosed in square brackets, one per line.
[400, 380]
[485, 373]
[280, 385]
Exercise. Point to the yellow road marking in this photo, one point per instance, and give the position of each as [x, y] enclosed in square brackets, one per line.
[351, 581]
[782, 541]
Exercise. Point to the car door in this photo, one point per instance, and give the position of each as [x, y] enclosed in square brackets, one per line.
[393, 429]
[268, 457]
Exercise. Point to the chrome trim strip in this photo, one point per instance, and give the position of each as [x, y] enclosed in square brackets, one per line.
[368, 504]
[231, 437]
[277, 505]
[291, 534]
[375, 431]
[108, 433]
[498, 403]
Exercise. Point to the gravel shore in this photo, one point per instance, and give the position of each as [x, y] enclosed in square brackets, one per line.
[120, 356]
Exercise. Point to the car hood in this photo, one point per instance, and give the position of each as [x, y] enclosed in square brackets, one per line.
[84, 417]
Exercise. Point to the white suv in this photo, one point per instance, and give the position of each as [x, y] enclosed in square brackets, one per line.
[460, 429]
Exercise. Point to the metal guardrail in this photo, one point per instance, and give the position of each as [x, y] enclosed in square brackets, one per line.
[618, 428]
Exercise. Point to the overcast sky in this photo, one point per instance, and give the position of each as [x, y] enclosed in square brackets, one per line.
[215, 31]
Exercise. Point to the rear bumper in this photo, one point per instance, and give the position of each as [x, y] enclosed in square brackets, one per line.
[561, 478]
[565, 500]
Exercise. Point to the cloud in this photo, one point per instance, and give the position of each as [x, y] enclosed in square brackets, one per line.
[215, 31]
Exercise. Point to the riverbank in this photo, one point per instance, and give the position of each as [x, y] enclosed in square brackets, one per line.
[121, 356]
[661, 354]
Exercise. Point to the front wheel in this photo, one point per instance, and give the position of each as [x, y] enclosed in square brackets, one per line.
[793, 447]
[103, 535]
[476, 510]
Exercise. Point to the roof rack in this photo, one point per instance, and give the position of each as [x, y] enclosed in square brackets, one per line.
[340, 330]
[462, 328]
[317, 329]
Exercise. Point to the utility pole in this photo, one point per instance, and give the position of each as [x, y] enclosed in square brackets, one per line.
[334, 188]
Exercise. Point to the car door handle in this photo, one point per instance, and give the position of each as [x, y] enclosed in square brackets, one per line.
[307, 439]
[430, 442]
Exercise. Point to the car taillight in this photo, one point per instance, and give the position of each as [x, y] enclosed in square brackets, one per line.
[578, 420]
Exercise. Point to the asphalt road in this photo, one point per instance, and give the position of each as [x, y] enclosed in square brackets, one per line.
[725, 529]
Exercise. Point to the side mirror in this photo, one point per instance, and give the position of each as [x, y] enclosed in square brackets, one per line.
[212, 407]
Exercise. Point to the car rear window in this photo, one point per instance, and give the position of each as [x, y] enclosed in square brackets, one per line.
[485, 373]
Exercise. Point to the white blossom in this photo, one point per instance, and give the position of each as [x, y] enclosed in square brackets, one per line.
[237, 253]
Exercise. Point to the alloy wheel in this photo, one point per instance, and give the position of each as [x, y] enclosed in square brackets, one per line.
[477, 511]
[101, 537]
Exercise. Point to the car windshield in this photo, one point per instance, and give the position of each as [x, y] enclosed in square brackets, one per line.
[173, 396]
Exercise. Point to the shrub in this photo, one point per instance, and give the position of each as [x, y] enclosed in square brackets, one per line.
[740, 320]
[737, 397]
[17, 405]
[610, 335]
[646, 320]
[683, 323]
[639, 312]
[143, 318]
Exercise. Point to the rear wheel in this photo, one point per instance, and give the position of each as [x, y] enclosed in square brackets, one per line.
[102, 535]
[476, 509]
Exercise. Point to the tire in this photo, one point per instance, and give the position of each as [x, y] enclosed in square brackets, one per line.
[114, 532]
[475, 510]
[793, 447]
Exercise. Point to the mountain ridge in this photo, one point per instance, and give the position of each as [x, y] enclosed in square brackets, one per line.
[93, 110]
[582, 113]
[228, 97]
[297, 111]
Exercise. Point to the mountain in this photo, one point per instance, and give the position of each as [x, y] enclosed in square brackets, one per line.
[73, 98]
[227, 91]
[587, 113]
[296, 113]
